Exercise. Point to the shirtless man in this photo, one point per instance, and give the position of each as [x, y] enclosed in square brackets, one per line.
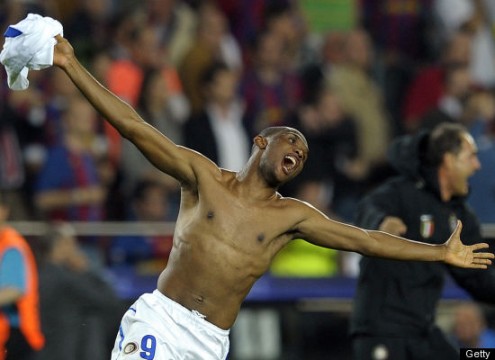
[229, 228]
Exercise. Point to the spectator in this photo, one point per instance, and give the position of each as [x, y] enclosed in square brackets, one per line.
[450, 107]
[271, 91]
[20, 330]
[218, 131]
[79, 310]
[88, 25]
[213, 42]
[175, 22]
[473, 17]
[166, 111]
[287, 21]
[126, 74]
[470, 329]
[68, 186]
[402, 41]
[363, 100]
[12, 168]
[331, 178]
[316, 74]
[428, 86]
[394, 308]
[149, 203]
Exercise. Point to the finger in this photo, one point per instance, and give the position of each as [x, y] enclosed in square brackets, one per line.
[482, 261]
[474, 266]
[483, 256]
[458, 228]
[479, 246]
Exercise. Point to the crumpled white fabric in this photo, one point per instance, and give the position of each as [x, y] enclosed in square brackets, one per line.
[31, 50]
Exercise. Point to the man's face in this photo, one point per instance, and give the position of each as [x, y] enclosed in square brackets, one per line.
[284, 157]
[463, 166]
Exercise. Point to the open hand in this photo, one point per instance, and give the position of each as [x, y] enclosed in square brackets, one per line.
[461, 255]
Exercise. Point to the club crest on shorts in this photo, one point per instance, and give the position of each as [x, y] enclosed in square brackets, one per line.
[130, 348]
[426, 226]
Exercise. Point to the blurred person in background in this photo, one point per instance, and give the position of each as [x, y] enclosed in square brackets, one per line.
[475, 17]
[212, 42]
[217, 131]
[174, 21]
[149, 202]
[163, 109]
[20, 328]
[316, 74]
[285, 19]
[68, 186]
[12, 166]
[353, 83]
[451, 105]
[88, 24]
[427, 87]
[401, 35]
[469, 329]
[270, 89]
[331, 177]
[395, 302]
[126, 76]
[80, 311]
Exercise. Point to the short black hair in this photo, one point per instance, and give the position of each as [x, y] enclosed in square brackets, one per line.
[142, 187]
[444, 138]
[275, 130]
[211, 72]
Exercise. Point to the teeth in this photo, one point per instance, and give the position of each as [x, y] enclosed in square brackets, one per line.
[292, 160]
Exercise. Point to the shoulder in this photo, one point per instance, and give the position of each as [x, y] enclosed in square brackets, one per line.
[298, 207]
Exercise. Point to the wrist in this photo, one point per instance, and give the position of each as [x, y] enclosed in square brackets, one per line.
[443, 252]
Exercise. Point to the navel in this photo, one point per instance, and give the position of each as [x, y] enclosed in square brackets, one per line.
[260, 237]
[210, 215]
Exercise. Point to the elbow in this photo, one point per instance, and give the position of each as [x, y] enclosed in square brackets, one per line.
[369, 247]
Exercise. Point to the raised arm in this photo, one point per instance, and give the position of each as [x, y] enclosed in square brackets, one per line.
[168, 157]
[318, 229]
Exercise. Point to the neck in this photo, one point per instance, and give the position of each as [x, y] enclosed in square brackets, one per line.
[250, 178]
[445, 192]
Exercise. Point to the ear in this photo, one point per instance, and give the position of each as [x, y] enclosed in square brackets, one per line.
[260, 142]
[448, 160]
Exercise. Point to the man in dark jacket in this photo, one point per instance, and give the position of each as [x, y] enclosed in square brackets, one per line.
[395, 303]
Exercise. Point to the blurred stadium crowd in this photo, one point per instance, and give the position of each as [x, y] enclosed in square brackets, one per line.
[351, 75]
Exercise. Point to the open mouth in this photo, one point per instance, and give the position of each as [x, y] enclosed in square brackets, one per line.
[290, 163]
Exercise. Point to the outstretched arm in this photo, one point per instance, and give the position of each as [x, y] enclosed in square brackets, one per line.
[320, 230]
[168, 157]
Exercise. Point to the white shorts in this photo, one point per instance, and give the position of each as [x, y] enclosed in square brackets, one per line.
[157, 328]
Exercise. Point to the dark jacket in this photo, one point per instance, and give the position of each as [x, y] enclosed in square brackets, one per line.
[399, 298]
[199, 136]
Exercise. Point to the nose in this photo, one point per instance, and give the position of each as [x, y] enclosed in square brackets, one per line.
[477, 165]
[299, 153]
